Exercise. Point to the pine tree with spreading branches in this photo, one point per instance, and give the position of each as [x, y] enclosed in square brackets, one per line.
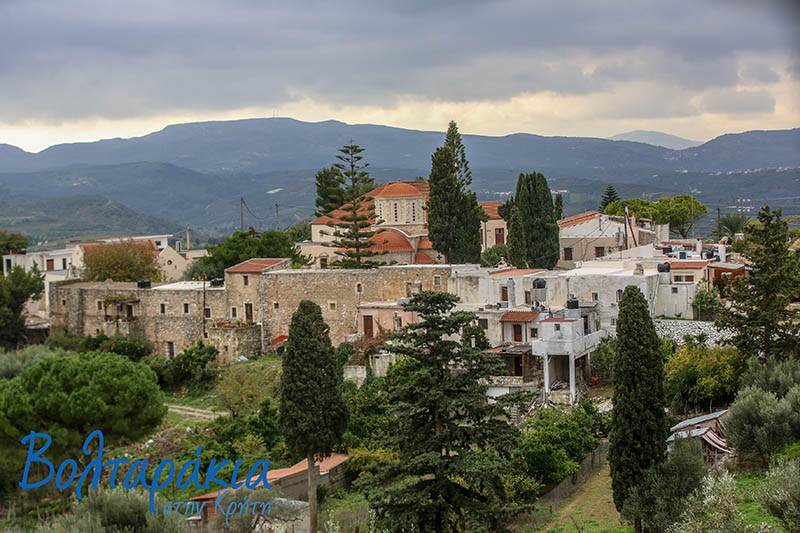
[759, 314]
[608, 197]
[638, 422]
[313, 415]
[353, 231]
[330, 194]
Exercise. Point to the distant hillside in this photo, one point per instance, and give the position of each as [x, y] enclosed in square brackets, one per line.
[274, 144]
[65, 217]
[656, 138]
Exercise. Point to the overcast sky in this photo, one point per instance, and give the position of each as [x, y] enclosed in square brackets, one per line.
[88, 69]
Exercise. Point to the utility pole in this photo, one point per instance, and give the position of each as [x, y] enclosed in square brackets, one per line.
[241, 211]
[277, 218]
[719, 229]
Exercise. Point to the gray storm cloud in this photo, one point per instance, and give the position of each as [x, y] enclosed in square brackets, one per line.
[62, 61]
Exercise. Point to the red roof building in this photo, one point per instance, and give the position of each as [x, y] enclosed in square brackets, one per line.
[255, 266]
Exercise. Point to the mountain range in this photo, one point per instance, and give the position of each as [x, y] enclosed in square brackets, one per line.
[194, 174]
[656, 138]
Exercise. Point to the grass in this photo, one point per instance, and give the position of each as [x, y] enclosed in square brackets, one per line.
[755, 513]
[591, 508]
[350, 511]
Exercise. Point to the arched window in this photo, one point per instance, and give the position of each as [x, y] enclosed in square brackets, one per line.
[619, 294]
[359, 288]
[396, 218]
[413, 211]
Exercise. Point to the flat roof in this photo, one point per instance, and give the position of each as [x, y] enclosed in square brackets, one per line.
[187, 286]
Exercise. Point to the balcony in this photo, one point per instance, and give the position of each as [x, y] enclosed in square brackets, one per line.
[576, 347]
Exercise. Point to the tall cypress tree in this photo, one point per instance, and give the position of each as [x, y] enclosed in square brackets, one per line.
[444, 202]
[638, 423]
[313, 415]
[468, 240]
[330, 194]
[453, 140]
[609, 196]
[517, 247]
[760, 316]
[353, 231]
[559, 206]
[535, 205]
[453, 446]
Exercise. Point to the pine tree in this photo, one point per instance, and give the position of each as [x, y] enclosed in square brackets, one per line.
[330, 194]
[453, 140]
[452, 444]
[353, 231]
[517, 247]
[559, 207]
[638, 423]
[313, 415]
[535, 205]
[609, 196]
[759, 314]
[444, 202]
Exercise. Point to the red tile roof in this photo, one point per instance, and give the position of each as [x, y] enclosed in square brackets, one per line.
[390, 241]
[491, 209]
[516, 271]
[577, 219]
[519, 316]
[398, 189]
[425, 244]
[556, 319]
[253, 266]
[693, 265]
[795, 246]
[423, 259]
[280, 338]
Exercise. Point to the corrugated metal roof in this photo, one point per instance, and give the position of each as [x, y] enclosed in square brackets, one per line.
[698, 420]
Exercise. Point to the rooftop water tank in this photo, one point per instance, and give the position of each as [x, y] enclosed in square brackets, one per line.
[143, 284]
[573, 303]
[664, 267]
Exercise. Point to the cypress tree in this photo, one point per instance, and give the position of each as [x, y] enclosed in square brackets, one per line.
[535, 205]
[609, 196]
[313, 415]
[468, 240]
[638, 422]
[444, 202]
[330, 194]
[517, 247]
[453, 140]
[559, 207]
[759, 314]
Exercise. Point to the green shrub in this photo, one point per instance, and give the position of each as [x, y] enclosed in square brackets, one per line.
[603, 359]
[14, 362]
[361, 458]
[761, 423]
[772, 375]
[264, 424]
[66, 341]
[697, 375]
[781, 493]
[132, 347]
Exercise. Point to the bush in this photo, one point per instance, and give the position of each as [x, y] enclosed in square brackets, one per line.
[772, 375]
[603, 359]
[492, 256]
[264, 424]
[243, 386]
[761, 423]
[66, 341]
[117, 511]
[132, 347]
[781, 493]
[660, 499]
[697, 375]
[193, 368]
[90, 343]
[14, 362]
[361, 458]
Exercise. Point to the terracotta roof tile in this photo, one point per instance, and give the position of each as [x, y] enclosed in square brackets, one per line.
[491, 209]
[519, 316]
[253, 266]
[390, 241]
[423, 259]
[795, 246]
[557, 319]
[398, 189]
[577, 219]
[688, 264]
[425, 244]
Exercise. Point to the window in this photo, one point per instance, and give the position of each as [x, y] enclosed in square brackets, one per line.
[595, 297]
[233, 312]
[323, 262]
[689, 278]
[483, 323]
[503, 294]
[169, 261]
[599, 251]
[8, 265]
[499, 236]
[245, 281]
[359, 288]
[185, 309]
[99, 305]
[396, 218]
[567, 254]
[63, 263]
[51, 264]
[170, 348]
[527, 297]
[207, 312]
[613, 321]
[248, 312]
[517, 332]
[619, 294]
[332, 306]
[413, 212]
[558, 327]
[678, 279]
[534, 333]
[437, 281]
[163, 309]
[674, 290]
[63, 302]
[276, 305]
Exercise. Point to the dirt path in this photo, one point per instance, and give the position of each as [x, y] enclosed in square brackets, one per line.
[193, 412]
[592, 507]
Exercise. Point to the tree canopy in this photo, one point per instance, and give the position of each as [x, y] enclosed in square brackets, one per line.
[15, 289]
[121, 261]
[638, 423]
[759, 313]
[452, 446]
[330, 194]
[609, 196]
[11, 243]
[680, 212]
[535, 205]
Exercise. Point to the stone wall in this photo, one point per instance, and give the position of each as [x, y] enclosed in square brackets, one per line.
[235, 341]
[676, 329]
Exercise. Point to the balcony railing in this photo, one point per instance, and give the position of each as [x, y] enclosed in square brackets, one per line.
[578, 346]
